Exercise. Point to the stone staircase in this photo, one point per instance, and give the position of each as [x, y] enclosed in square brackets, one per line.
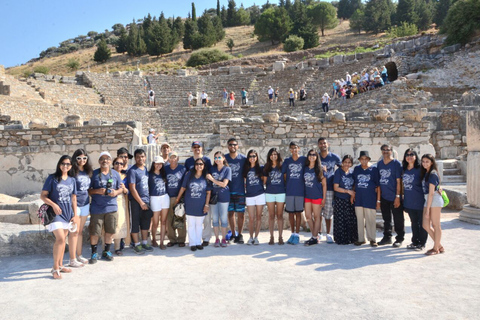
[452, 174]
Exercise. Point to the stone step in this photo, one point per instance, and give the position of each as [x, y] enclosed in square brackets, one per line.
[450, 164]
[15, 216]
[451, 172]
[14, 206]
[454, 179]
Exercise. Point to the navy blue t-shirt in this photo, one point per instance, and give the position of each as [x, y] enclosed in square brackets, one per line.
[294, 171]
[225, 173]
[254, 183]
[140, 178]
[83, 184]
[429, 179]
[102, 203]
[61, 192]
[313, 187]
[331, 161]
[389, 173]
[190, 163]
[412, 189]
[195, 194]
[237, 184]
[345, 181]
[156, 185]
[174, 179]
[366, 181]
[275, 181]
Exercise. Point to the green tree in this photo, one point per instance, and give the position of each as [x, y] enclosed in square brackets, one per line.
[357, 20]
[230, 44]
[309, 34]
[324, 15]
[379, 16]
[219, 31]
[406, 11]
[206, 56]
[190, 30]
[122, 42]
[147, 23]
[346, 8]
[231, 14]
[424, 13]
[441, 10]
[293, 43]
[92, 34]
[242, 17]
[178, 30]
[73, 64]
[223, 16]
[159, 37]
[462, 21]
[102, 54]
[218, 8]
[117, 27]
[254, 12]
[274, 24]
[207, 35]
[194, 12]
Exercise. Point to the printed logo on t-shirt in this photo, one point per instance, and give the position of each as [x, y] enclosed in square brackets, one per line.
[160, 185]
[64, 193]
[84, 182]
[408, 181]
[384, 175]
[330, 168]
[309, 176]
[173, 179]
[275, 177]
[195, 190]
[363, 180]
[295, 169]
[347, 182]
[253, 179]
[235, 169]
[218, 177]
[144, 183]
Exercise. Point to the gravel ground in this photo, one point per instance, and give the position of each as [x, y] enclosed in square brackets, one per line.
[257, 282]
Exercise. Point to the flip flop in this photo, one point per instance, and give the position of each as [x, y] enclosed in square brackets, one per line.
[65, 269]
[56, 274]
[431, 252]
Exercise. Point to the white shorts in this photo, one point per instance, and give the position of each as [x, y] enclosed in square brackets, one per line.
[436, 202]
[158, 203]
[256, 201]
[84, 211]
[57, 225]
[232, 103]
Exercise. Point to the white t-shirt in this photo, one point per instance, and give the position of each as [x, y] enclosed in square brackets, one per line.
[325, 99]
[270, 91]
[151, 139]
[204, 96]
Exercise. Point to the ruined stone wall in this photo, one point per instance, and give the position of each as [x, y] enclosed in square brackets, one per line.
[29, 156]
[344, 138]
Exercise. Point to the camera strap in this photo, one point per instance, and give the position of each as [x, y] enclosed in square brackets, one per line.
[100, 175]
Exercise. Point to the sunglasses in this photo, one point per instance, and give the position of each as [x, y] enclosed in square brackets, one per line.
[232, 144]
[125, 157]
[252, 157]
[217, 158]
[82, 158]
[312, 154]
[409, 155]
[196, 147]
[199, 164]
[386, 150]
[66, 164]
[118, 163]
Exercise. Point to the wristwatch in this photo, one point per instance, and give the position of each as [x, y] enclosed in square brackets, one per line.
[398, 196]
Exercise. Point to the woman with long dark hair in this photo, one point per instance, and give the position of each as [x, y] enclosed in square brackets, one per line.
[315, 191]
[220, 175]
[197, 197]
[274, 193]
[60, 192]
[345, 226]
[82, 172]
[123, 223]
[255, 195]
[413, 198]
[433, 202]
[159, 199]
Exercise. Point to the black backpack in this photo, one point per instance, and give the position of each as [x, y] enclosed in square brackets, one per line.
[151, 93]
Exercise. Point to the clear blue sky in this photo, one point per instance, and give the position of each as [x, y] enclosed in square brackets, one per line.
[29, 27]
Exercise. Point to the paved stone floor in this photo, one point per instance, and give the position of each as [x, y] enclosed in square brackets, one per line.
[325, 281]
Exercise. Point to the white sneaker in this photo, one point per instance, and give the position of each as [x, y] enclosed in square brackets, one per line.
[329, 238]
[320, 237]
[81, 259]
[250, 241]
[75, 264]
[255, 241]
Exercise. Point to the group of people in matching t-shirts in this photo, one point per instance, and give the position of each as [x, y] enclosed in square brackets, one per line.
[219, 193]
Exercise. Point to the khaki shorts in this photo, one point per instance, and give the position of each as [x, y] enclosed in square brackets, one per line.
[99, 220]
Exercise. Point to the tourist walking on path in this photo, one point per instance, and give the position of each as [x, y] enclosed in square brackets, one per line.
[204, 98]
[255, 195]
[82, 172]
[60, 193]
[433, 203]
[232, 99]
[270, 94]
[220, 175]
[139, 198]
[413, 198]
[159, 199]
[345, 227]
[303, 94]
[236, 161]
[197, 197]
[292, 170]
[390, 170]
[244, 96]
[274, 193]
[367, 199]
[123, 223]
[277, 91]
[315, 191]
[291, 97]
[152, 137]
[104, 188]
[225, 97]
[330, 161]
[151, 98]
[325, 102]
[175, 173]
[190, 98]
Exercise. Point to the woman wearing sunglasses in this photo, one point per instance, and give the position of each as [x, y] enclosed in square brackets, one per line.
[220, 175]
[82, 172]
[60, 192]
[197, 197]
[255, 195]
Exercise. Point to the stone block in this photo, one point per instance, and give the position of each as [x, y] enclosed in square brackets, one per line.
[452, 48]
[380, 114]
[349, 58]
[37, 124]
[182, 72]
[338, 59]
[33, 209]
[95, 122]
[335, 116]
[410, 44]
[322, 63]
[270, 117]
[473, 131]
[399, 46]
[235, 70]
[279, 66]
[73, 121]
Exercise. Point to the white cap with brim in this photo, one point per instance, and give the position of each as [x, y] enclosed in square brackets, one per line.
[158, 159]
[104, 153]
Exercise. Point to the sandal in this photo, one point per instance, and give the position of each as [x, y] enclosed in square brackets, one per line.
[162, 247]
[56, 274]
[280, 241]
[64, 269]
[272, 241]
[441, 250]
[119, 252]
[432, 252]
[154, 243]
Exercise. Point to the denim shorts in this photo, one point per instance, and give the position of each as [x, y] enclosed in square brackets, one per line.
[436, 202]
[275, 197]
[219, 213]
[84, 211]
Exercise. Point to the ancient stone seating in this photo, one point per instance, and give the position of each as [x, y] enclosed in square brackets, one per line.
[119, 89]
[55, 92]
[172, 90]
[21, 89]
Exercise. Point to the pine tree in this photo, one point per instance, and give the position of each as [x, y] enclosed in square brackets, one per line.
[178, 30]
[102, 54]
[219, 31]
[147, 23]
[122, 41]
[441, 10]
[159, 37]
[206, 31]
[218, 8]
[379, 16]
[132, 39]
[281, 3]
[357, 20]
[190, 30]
[223, 15]
[274, 24]
[324, 15]
[194, 12]
[406, 12]
[231, 13]
[424, 13]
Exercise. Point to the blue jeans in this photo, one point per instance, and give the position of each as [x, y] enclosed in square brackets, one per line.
[219, 212]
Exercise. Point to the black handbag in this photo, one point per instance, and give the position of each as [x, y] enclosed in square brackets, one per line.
[214, 199]
[46, 214]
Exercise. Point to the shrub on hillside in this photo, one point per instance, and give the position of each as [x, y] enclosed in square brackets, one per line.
[73, 64]
[403, 30]
[206, 56]
[462, 21]
[41, 69]
[293, 43]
